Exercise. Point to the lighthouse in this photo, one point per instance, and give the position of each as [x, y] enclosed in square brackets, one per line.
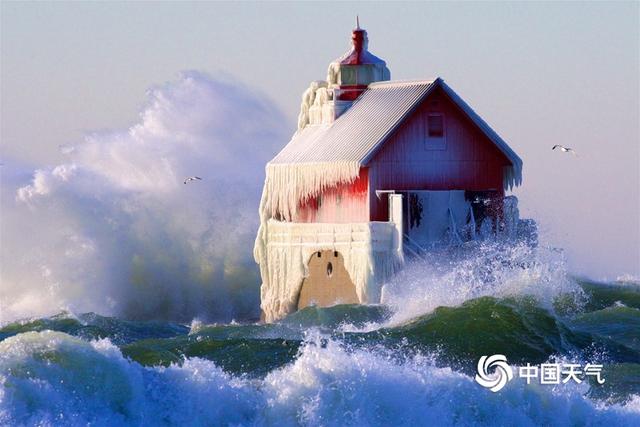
[347, 78]
[377, 172]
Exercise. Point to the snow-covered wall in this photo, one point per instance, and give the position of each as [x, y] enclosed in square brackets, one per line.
[283, 250]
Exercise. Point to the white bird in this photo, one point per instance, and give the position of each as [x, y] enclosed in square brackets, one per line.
[485, 202]
[565, 149]
[66, 149]
[192, 178]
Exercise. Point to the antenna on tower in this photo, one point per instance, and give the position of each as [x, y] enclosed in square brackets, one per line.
[357, 22]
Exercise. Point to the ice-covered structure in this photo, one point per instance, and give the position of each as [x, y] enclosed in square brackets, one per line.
[377, 170]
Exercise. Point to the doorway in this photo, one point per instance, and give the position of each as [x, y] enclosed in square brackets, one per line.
[328, 282]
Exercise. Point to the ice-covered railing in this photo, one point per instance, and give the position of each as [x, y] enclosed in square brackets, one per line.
[368, 249]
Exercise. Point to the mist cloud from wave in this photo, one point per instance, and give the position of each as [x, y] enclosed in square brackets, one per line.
[114, 229]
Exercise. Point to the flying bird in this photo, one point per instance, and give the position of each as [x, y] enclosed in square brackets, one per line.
[192, 178]
[66, 149]
[565, 149]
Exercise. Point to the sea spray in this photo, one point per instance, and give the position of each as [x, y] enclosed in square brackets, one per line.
[114, 229]
[450, 276]
[409, 361]
[50, 378]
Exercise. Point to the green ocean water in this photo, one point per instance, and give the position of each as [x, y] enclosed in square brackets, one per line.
[602, 326]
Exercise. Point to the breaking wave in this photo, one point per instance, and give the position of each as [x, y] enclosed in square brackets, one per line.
[344, 365]
[451, 276]
[115, 230]
[51, 378]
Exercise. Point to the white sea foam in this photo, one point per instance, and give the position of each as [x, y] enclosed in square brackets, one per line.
[628, 279]
[49, 378]
[486, 269]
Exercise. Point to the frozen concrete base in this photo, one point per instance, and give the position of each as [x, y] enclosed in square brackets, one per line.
[368, 255]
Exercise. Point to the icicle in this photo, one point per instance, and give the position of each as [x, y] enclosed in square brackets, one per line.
[282, 266]
[512, 176]
[288, 185]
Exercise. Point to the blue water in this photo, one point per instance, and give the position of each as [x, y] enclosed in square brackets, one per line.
[345, 365]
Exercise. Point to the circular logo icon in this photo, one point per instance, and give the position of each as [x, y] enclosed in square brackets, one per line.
[501, 376]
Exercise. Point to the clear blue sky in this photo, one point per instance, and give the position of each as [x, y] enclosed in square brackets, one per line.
[539, 73]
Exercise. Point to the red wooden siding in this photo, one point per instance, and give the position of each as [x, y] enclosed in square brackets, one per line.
[341, 204]
[467, 160]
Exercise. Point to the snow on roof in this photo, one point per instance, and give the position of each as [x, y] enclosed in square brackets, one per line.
[360, 130]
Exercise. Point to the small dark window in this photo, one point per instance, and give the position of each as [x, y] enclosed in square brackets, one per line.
[335, 254]
[435, 124]
[319, 254]
[329, 269]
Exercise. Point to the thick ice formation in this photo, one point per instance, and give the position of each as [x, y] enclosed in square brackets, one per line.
[322, 102]
[316, 159]
[287, 185]
[283, 250]
[312, 101]
[432, 214]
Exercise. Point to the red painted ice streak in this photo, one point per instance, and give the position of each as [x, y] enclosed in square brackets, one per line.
[345, 203]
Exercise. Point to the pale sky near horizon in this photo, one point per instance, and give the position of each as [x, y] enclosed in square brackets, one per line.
[539, 73]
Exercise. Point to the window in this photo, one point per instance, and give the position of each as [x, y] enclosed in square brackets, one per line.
[348, 75]
[436, 138]
[435, 124]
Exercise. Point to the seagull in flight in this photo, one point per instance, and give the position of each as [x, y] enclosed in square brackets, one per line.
[192, 178]
[565, 149]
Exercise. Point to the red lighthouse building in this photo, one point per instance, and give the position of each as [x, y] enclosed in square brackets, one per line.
[377, 170]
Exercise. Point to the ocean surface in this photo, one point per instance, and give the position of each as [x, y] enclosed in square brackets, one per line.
[411, 361]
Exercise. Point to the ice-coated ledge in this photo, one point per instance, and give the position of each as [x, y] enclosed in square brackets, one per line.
[369, 252]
